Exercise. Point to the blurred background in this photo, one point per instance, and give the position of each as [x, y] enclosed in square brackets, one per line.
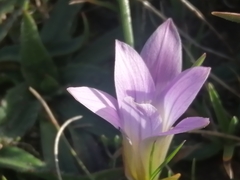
[50, 45]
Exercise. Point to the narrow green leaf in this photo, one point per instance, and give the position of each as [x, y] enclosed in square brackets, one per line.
[200, 60]
[19, 160]
[219, 110]
[37, 64]
[234, 17]
[233, 125]
[167, 160]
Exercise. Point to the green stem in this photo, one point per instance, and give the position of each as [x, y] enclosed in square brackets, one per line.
[126, 21]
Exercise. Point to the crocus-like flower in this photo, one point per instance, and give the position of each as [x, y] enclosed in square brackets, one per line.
[152, 93]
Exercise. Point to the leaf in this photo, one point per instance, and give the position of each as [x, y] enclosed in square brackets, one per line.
[200, 60]
[19, 160]
[234, 17]
[59, 26]
[37, 65]
[232, 128]
[21, 112]
[219, 110]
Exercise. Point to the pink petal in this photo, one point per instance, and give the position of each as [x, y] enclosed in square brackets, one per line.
[179, 94]
[162, 140]
[101, 103]
[132, 77]
[139, 120]
[187, 124]
[162, 54]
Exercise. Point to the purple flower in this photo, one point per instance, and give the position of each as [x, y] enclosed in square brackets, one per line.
[152, 93]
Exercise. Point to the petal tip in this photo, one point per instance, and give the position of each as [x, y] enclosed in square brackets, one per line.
[70, 89]
[74, 90]
[119, 43]
[206, 122]
[169, 24]
[169, 21]
[207, 71]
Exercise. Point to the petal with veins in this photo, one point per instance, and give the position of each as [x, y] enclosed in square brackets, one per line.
[98, 102]
[162, 54]
[177, 96]
[132, 77]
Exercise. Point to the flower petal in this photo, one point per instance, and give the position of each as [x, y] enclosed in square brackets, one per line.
[98, 102]
[162, 54]
[132, 77]
[139, 120]
[179, 94]
[162, 141]
[187, 124]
